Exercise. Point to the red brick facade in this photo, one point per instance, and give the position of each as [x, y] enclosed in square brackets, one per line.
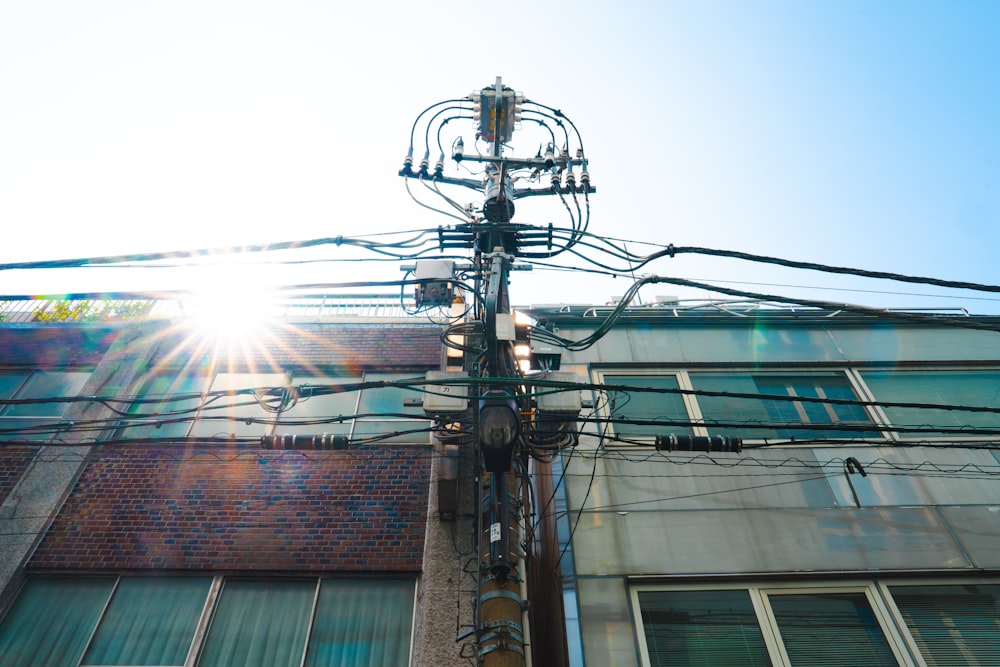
[214, 508]
[14, 461]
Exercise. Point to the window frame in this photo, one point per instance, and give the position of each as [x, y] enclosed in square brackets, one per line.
[59, 413]
[696, 416]
[887, 424]
[210, 607]
[289, 377]
[877, 592]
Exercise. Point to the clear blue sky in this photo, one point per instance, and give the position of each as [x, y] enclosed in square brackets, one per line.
[859, 133]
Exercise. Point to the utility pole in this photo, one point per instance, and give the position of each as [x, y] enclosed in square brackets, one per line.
[505, 423]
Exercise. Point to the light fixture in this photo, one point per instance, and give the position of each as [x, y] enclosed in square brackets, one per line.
[499, 426]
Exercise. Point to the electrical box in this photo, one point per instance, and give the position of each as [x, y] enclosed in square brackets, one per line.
[567, 402]
[444, 399]
[505, 327]
[436, 288]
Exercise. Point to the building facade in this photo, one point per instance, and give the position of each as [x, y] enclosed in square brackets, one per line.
[175, 496]
[857, 526]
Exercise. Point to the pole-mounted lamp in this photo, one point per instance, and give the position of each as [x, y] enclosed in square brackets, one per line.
[499, 426]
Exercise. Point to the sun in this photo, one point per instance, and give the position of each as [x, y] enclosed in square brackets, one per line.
[229, 312]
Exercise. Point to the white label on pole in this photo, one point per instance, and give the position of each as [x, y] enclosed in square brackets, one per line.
[495, 532]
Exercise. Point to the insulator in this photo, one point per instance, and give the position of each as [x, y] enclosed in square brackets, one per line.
[570, 180]
[458, 151]
[579, 153]
[439, 166]
[555, 182]
[585, 180]
[549, 156]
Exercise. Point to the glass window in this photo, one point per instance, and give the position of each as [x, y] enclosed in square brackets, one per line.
[385, 412]
[203, 410]
[259, 623]
[313, 414]
[52, 620]
[701, 629]
[135, 632]
[37, 417]
[361, 623]
[830, 629]
[167, 419]
[952, 625]
[976, 388]
[955, 624]
[238, 414]
[780, 418]
[665, 408]
[154, 621]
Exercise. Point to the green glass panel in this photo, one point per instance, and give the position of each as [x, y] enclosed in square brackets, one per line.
[362, 623]
[174, 416]
[667, 409]
[229, 415]
[702, 629]
[315, 415]
[150, 621]
[958, 388]
[779, 418]
[830, 630]
[259, 623]
[52, 620]
[42, 384]
[9, 383]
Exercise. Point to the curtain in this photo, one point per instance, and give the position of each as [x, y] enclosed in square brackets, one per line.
[830, 630]
[954, 626]
[702, 629]
[150, 621]
[52, 620]
[259, 623]
[362, 623]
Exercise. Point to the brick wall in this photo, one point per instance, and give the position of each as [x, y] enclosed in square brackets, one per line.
[354, 347]
[13, 462]
[243, 509]
[54, 346]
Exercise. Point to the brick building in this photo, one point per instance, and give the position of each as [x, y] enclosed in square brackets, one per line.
[163, 515]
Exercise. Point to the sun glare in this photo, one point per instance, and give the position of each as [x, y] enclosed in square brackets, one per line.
[228, 314]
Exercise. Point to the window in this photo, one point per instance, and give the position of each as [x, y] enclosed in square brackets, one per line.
[756, 419]
[796, 625]
[976, 388]
[952, 625]
[36, 421]
[725, 403]
[208, 622]
[805, 405]
[624, 406]
[199, 407]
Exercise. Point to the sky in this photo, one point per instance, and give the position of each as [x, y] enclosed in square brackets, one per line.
[853, 133]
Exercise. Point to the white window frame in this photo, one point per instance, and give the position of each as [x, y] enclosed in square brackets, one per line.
[886, 423]
[903, 648]
[683, 377]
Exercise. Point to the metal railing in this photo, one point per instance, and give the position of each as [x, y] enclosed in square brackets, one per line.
[119, 307]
